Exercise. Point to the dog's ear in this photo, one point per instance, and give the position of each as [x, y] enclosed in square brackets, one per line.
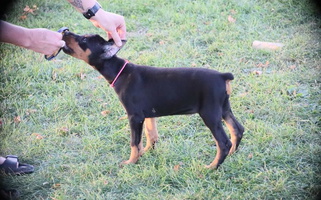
[111, 49]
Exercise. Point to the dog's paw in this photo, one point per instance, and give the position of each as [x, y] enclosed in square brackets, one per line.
[212, 167]
[128, 162]
[232, 149]
[147, 148]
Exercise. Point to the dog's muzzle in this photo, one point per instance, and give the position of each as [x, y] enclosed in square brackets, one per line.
[52, 56]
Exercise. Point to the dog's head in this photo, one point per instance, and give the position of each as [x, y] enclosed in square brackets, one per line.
[90, 48]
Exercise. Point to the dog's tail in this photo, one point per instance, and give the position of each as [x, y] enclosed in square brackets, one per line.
[228, 77]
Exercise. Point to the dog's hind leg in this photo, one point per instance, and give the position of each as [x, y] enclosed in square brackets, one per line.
[212, 119]
[151, 133]
[136, 127]
[235, 128]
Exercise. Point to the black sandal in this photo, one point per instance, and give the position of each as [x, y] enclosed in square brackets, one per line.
[12, 166]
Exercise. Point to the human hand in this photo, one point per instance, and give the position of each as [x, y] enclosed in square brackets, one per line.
[44, 41]
[113, 24]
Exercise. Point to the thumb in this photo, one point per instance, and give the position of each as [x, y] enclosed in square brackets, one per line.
[62, 43]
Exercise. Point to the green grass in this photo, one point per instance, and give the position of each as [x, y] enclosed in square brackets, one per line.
[79, 155]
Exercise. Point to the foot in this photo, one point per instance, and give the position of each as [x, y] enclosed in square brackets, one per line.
[150, 146]
[233, 149]
[11, 165]
[211, 166]
[127, 162]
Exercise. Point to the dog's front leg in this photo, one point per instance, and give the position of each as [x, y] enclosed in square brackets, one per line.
[151, 133]
[136, 126]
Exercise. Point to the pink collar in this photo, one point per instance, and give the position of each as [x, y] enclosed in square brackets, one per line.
[121, 70]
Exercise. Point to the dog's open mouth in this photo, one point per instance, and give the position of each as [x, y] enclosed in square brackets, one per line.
[65, 37]
[67, 49]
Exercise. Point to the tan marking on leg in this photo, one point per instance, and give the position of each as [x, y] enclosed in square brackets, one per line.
[134, 156]
[214, 164]
[140, 148]
[234, 138]
[151, 133]
[228, 87]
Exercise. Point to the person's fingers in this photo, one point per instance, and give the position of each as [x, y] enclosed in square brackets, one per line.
[58, 35]
[116, 38]
[59, 42]
[62, 43]
[122, 32]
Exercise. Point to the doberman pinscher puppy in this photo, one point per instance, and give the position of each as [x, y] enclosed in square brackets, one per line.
[149, 92]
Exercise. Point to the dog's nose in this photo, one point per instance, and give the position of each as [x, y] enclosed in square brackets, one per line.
[64, 36]
[66, 33]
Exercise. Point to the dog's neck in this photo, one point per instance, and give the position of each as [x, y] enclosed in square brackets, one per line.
[110, 68]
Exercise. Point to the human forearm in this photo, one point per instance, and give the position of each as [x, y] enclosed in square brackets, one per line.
[82, 5]
[13, 34]
[38, 39]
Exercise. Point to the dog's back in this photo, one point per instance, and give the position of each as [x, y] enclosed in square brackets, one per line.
[169, 91]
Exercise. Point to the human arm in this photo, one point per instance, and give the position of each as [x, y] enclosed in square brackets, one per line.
[113, 24]
[39, 39]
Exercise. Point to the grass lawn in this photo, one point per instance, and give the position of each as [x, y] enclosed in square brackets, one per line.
[64, 119]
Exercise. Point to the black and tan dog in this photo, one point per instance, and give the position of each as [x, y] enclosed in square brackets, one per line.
[149, 92]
